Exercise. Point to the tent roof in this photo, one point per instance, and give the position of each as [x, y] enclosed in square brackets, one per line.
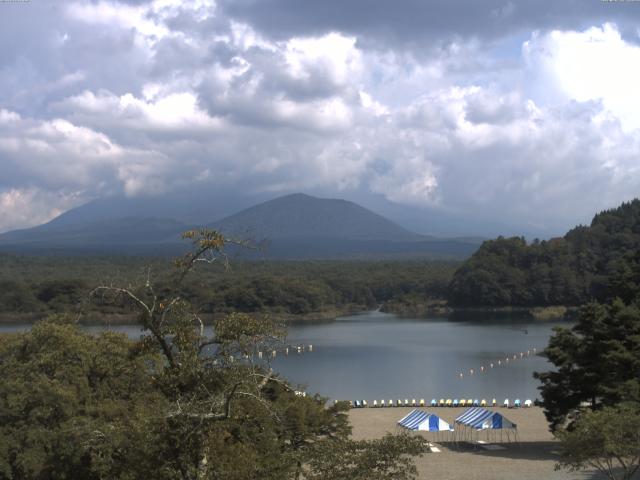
[419, 420]
[480, 419]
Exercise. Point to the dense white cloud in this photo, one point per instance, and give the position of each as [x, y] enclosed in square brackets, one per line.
[57, 156]
[595, 64]
[21, 208]
[143, 97]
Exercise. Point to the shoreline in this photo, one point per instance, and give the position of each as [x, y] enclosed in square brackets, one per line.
[98, 318]
[438, 309]
[426, 311]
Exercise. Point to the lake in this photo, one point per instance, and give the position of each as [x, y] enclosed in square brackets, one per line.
[374, 355]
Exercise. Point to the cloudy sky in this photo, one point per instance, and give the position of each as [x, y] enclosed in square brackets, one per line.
[526, 112]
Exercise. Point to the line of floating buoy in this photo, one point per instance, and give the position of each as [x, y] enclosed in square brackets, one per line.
[499, 362]
[297, 348]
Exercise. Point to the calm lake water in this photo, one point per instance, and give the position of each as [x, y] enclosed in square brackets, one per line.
[375, 355]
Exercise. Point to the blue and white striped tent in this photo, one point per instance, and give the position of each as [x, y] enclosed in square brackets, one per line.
[481, 419]
[419, 420]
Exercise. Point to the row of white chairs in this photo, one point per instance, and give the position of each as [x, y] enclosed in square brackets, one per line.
[441, 403]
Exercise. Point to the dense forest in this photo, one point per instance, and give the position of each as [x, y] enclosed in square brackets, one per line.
[33, 287]
[571, 270]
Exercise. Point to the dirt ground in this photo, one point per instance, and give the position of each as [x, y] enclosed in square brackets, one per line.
[533, 457]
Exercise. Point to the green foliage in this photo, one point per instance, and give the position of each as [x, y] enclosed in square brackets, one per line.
[598, 360]
[571, 270]
[178, 404]
[607, 440]
[278, 288]
[72, 405]
[380, 459]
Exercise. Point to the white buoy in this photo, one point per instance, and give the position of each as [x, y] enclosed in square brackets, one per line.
[461, 375]
[471, 372]
[492, 365]
[311, 348]
[499, 362]
[482, 368]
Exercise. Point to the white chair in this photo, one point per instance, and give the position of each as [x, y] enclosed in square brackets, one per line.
[528, 403]
[506, 403]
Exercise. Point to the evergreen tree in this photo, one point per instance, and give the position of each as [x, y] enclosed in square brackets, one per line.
[598, 360]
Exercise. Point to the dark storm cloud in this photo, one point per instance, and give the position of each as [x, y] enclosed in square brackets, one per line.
[420, 23]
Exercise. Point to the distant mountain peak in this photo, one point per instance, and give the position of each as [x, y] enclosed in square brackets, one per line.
[300, 215]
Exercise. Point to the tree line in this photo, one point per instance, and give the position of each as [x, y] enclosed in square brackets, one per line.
[55, 285]
[571, 270]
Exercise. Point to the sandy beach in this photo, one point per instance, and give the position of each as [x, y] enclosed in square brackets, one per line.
[533, 457]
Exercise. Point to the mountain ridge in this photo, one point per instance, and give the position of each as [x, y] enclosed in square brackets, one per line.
[301, 215]
[296, 226]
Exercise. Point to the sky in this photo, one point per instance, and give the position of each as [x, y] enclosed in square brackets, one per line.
[525, 112]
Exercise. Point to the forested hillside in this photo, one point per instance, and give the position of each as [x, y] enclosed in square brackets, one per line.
[562, 271]
[38, 286]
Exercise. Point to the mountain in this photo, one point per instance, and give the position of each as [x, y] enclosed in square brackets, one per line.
[569, 270]
[294, 226]
[131, 235]
[303, 216]
[192, 206]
